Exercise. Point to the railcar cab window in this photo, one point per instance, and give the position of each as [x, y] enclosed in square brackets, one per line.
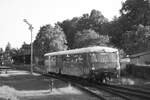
[46, 57]
[103, 57]
[51, 58]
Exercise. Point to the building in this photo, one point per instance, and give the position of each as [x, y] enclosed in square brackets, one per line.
[142, 58]
[23, 56]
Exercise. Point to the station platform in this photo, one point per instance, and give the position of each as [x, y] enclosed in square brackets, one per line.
[4, 69]
[21, 85]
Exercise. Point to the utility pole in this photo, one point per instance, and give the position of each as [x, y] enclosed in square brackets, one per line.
[31, 29]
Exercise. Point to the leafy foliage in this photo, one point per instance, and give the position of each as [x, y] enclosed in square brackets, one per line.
[14, 52]
[137, 40]
[8, 47]
[1, 53]
[69, 27]
[49, 39]
[89, 37]
[122, 29]
[92, 21]
[136, 11]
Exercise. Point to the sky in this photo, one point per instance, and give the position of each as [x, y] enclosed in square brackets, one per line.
[41, 12]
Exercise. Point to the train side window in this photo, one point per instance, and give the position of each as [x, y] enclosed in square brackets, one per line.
[53, 58]
[46, 57]
[93, 57]
[106, 57]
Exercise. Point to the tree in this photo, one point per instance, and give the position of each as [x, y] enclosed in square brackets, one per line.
[97, 19]
[89, 37]
[1, 52]
[59, 39]
[7, 51]
[49, 39]
[8, 47]
[69, 28]
[14, 52]
[92, 21]
[85, 22]
[136, 11]
[137, 40]
[133, 13]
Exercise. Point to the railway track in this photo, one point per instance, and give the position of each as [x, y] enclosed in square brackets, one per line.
[88, 87]
[107, 92]
[139, 87]
[79, 86]
[130, 93]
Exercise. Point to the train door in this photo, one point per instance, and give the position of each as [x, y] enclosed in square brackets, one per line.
[59, 64]
[86, 66]
[50, 64]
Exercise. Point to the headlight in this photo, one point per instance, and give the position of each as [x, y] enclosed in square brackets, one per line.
[93, 68]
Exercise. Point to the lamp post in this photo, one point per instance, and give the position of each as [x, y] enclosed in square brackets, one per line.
[30, 28]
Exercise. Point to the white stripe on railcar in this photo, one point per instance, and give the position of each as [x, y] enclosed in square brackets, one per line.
[83, 50]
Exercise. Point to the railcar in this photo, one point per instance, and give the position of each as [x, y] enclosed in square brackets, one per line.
[94, 63]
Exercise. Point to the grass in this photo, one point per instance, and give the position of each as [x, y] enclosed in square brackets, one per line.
[21, 85]
[61, 97]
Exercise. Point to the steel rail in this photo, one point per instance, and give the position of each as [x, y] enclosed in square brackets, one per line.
[130, 92]
[138, 90]
[77, 86]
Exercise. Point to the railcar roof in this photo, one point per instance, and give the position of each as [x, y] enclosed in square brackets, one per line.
[83, 50]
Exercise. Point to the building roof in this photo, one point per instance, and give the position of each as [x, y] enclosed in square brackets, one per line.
[125, 60]
[139, 54]
[83, 50]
